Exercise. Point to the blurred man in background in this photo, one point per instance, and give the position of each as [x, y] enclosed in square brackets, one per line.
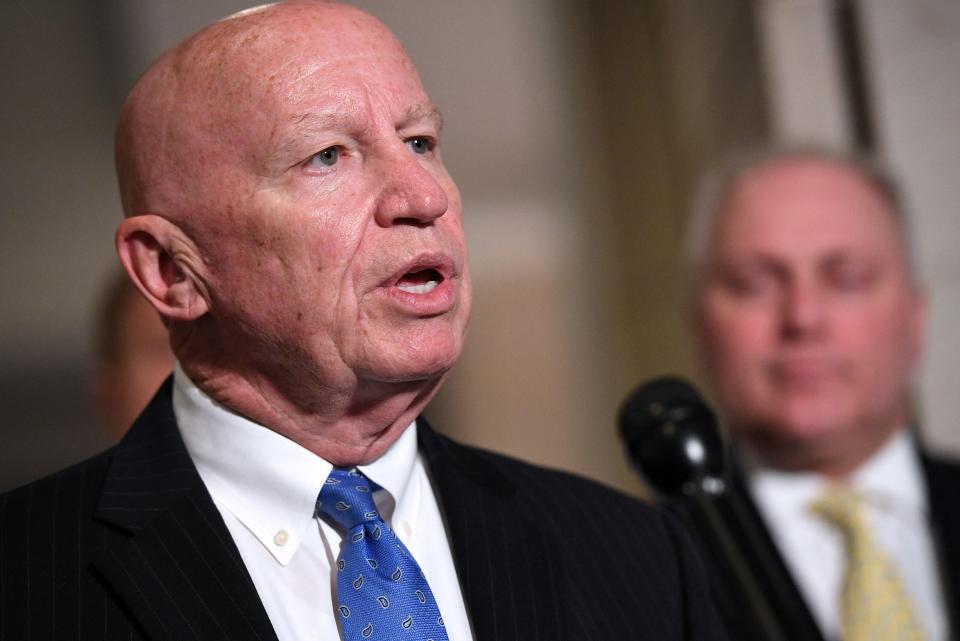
[133, 355]
[810, 324]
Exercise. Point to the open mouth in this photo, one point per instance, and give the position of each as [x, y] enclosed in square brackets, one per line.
[422, 281]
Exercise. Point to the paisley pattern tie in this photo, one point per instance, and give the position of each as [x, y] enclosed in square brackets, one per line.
[875, 604]
[381, 591]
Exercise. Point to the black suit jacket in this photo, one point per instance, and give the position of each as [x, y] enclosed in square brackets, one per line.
[943, 494]
[129, 545]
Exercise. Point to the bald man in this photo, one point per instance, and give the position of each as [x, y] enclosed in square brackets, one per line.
[811, 323]
[289, 216]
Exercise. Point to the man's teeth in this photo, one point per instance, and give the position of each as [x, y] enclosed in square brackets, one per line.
[423, 288]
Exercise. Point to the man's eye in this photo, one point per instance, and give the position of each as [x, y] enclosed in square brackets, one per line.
[328, 157]
[853, 279]
[420, 144]
[748, 283]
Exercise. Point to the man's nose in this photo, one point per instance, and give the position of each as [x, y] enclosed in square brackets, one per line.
[802, 314]
[411, 194]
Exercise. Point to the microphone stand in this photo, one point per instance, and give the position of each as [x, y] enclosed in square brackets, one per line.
[673, 440]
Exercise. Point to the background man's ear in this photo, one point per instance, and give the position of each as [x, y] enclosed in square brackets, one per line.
[159, 258]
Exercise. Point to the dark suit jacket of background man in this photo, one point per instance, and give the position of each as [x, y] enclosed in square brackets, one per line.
[129, 545]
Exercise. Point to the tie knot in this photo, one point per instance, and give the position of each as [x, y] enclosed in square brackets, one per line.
[347, 498]
[843, 508]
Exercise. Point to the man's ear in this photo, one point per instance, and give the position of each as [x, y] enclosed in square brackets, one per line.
[161, 261]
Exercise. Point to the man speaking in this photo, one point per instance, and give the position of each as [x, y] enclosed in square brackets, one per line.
[289, 217]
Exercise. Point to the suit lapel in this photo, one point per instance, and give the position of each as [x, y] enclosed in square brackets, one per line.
[177, 570]
[509, 580]
[943, 484]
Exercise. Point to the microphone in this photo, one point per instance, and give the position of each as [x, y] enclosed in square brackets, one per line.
[673, 439]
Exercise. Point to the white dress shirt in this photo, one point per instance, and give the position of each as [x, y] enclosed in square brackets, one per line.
[896, 503]
[266, 486]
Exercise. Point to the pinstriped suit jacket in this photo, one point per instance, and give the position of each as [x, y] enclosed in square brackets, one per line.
[129, 545]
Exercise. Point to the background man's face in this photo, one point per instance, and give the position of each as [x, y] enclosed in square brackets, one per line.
[336, 244]
[808, 320]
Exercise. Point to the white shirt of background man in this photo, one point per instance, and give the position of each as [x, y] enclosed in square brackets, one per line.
[896, 502]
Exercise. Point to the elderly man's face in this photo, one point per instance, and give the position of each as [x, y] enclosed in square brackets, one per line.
[333, 235]
[808, 320]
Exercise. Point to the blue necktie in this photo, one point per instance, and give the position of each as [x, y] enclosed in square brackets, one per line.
[381, 591]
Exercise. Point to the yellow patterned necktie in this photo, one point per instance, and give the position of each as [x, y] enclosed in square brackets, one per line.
[875, 604]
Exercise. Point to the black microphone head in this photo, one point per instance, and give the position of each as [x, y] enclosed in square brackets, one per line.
[673, 438]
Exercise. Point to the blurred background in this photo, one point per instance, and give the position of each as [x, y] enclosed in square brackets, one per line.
[575, 130]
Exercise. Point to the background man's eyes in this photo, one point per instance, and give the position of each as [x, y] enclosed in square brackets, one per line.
[420, 144]
[748, 283]
[328, 157]
[851, 276]
[853, 279]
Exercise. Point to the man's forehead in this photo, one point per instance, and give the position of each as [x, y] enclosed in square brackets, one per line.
[791, 174]
[296, 62]
[284, 41]
[807, 205]
[226, 85]
[301, 115]
[797, 192]
[337, 116]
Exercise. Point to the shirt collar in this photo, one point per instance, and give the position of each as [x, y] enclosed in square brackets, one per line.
[392, 471]
[893, 475]
[267, 481]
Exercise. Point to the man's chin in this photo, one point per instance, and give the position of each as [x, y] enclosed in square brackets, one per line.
[797, 441]
[412, 357]
[799, 430]
[412, 379]
[418, 373]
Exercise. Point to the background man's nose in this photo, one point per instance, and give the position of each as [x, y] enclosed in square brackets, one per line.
[411, 194]
[802, 312]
